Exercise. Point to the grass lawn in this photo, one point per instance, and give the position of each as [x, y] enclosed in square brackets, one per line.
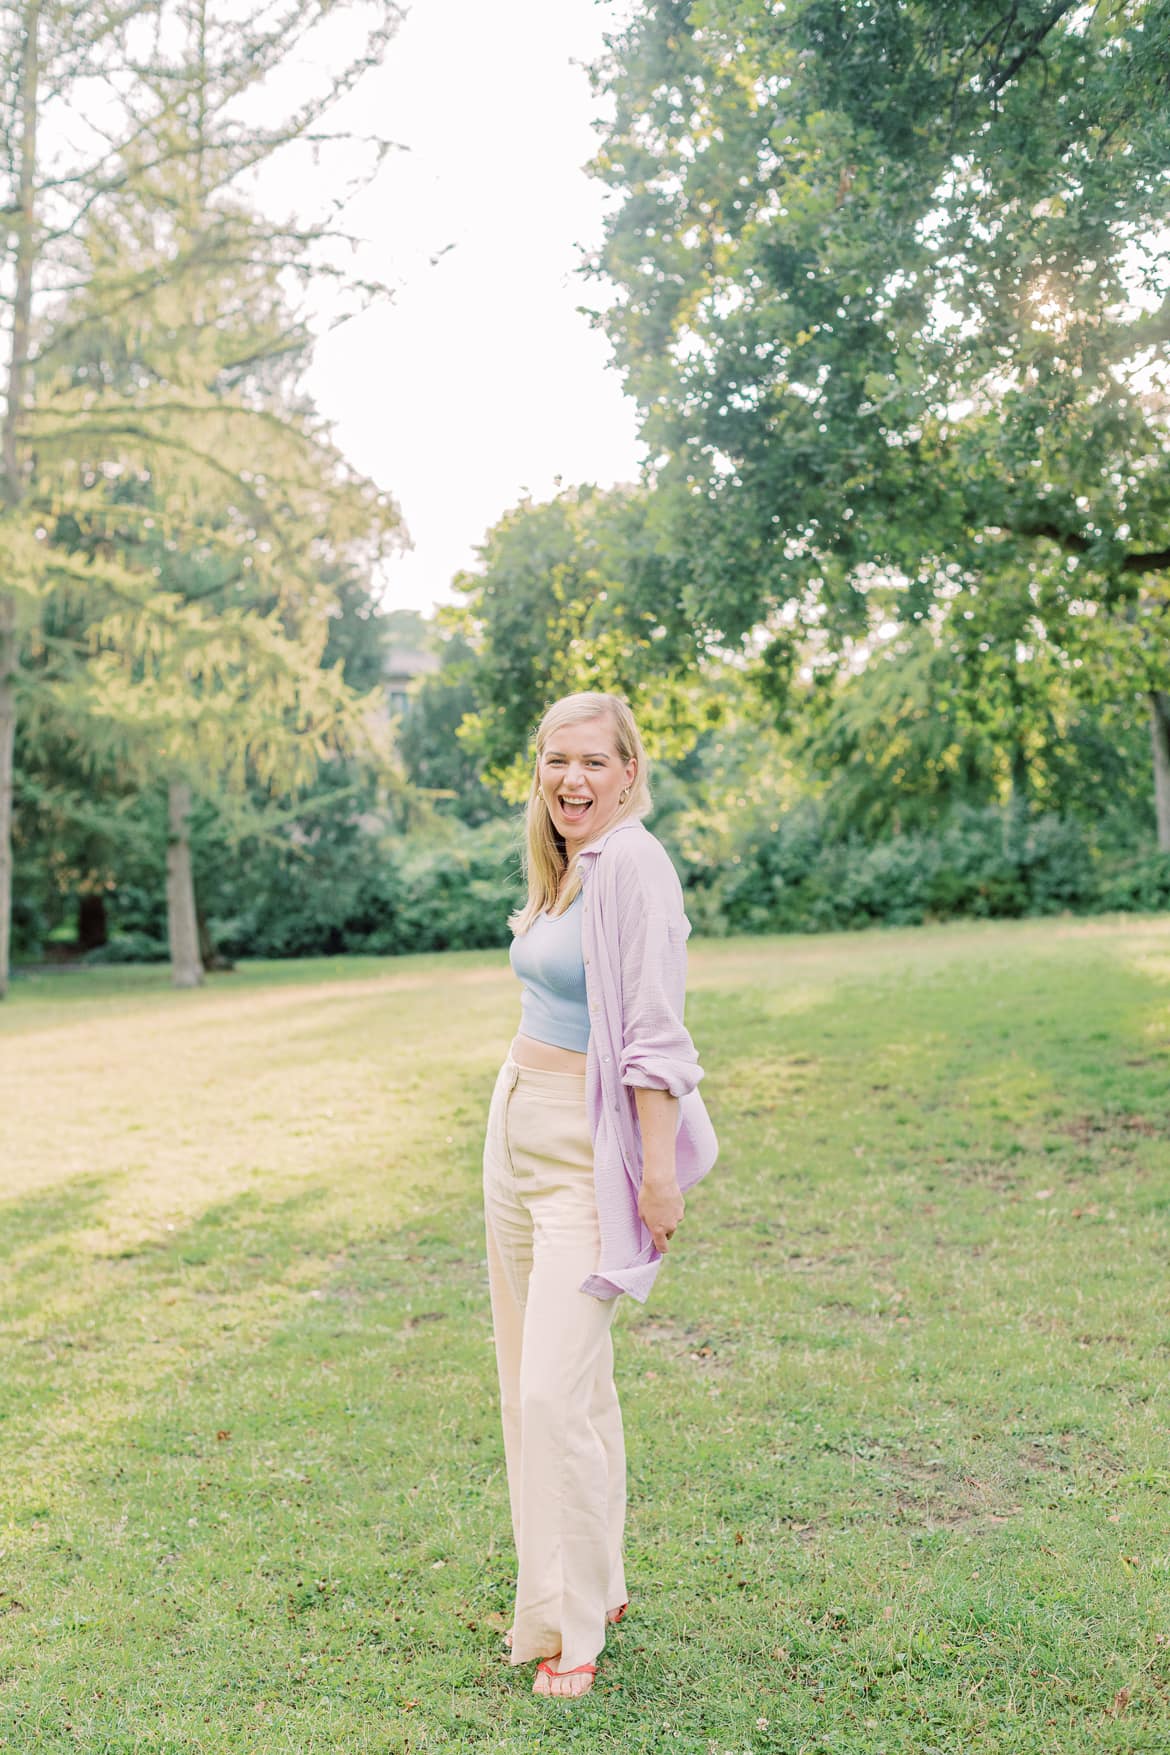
[895, 1413]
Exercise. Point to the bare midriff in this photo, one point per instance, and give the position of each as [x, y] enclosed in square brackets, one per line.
[546, 1056]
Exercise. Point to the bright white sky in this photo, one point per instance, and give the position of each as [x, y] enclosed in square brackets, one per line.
[481, 381]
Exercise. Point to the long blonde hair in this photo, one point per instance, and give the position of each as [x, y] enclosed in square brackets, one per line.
[545, 856]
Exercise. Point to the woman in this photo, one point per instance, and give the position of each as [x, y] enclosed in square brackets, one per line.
[595, 1130]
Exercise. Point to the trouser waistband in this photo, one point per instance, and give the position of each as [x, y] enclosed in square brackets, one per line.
[542, 1078]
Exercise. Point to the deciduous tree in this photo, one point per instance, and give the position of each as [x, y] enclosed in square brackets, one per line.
[895, 305]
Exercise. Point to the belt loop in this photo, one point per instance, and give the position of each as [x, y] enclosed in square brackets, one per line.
[513, 1075]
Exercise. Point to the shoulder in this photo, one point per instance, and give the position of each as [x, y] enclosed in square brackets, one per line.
[640, 866]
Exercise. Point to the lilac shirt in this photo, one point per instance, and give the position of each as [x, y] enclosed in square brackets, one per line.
[633, 939]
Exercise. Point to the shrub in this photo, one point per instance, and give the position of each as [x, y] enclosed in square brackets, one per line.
[378, 895]
[129, 947]
[1138, 882]
[1058, 867]
[979, 863]
[453, 887]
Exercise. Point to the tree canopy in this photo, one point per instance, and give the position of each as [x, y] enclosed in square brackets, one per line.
[894, 301]
[574, 594]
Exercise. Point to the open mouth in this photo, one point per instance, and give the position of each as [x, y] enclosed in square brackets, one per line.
[574, 810]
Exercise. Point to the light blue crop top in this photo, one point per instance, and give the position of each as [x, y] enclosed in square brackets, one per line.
[548, 960]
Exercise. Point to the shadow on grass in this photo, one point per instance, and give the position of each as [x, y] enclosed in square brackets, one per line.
[55, 1216]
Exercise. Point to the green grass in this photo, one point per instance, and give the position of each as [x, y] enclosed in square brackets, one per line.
[896, 1412]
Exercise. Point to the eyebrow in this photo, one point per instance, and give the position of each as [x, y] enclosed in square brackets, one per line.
[592, 756]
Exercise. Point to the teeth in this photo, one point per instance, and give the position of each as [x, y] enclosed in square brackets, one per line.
[574, 801]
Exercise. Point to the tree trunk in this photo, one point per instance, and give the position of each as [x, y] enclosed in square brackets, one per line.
[7, 744]
[1015, 822]
[1160, 738]
[209, 956]
[23, 224]
[92, 930]
[182, 932]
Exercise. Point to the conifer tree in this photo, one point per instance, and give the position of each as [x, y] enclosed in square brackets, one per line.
[157, 468]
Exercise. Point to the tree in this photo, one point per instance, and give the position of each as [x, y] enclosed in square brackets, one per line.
[435, 757]
[901, 742]
[572, 594]
[894, 308]
[148, 236]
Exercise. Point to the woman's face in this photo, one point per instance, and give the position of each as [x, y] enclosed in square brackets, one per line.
[581, 776]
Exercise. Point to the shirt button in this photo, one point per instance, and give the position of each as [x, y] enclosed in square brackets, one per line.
[606, 1059]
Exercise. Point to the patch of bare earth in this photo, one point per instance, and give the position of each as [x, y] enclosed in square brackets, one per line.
[1086, 1128]
[690, 1344]
[929, 1493]
[933, 1496]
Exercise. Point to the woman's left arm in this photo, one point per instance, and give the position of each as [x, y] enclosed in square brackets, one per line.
[660, 1201]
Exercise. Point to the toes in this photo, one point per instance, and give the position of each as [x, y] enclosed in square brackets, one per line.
[561, 1687]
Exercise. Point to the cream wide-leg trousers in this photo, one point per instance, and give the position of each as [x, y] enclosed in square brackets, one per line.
[563, 1441]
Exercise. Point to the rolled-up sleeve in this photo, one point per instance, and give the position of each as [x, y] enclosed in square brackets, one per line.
[656, 1051]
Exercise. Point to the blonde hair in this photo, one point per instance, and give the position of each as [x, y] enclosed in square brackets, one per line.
[545, 857]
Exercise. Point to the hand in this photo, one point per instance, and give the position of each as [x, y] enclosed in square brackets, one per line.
[661, 1207]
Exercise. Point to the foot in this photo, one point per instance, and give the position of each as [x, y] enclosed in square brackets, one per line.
[611, 1615]
[564, 1686]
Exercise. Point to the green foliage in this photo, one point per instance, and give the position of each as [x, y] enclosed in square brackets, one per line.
[339, 868]
[83, 824]
[1138, 884]
[202, 591]
[435, 757]
[906, 739]
[570, 595]
[895, 311]
[800, 877]
[178, 529]
[343, 889]
[369, 894]
[360, 632]
[131, 947]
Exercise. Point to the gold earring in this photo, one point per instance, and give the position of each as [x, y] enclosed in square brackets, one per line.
[623, 795]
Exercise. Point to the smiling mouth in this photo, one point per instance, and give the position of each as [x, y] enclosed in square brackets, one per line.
[573, 809]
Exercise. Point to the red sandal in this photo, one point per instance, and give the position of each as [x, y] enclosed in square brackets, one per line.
[579, 1670]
